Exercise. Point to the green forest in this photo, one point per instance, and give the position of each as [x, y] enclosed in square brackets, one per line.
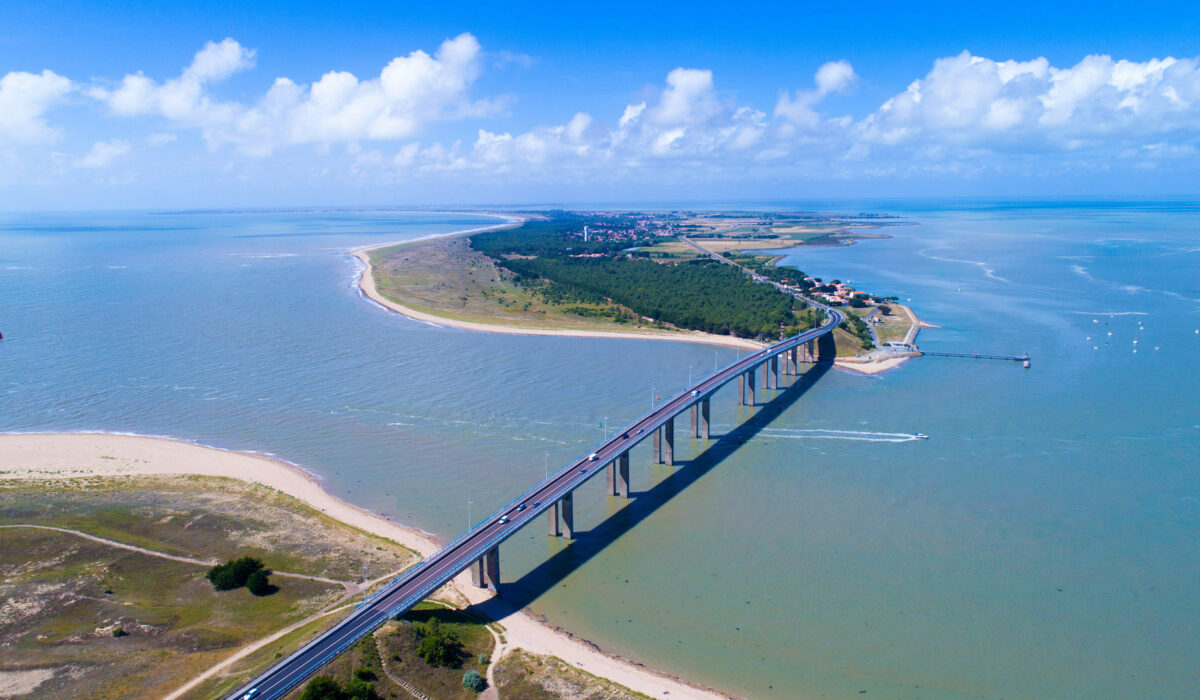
[698, 294]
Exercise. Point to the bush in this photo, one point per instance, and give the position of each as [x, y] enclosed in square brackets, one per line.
[259, 585]
[323, 688]
[233, 573]
[120, 632]
[435, 651]
[359, 689]
[474, 682]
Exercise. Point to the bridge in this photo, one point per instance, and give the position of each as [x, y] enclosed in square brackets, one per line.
[479, 548]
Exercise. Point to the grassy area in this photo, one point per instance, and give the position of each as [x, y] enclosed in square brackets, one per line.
[245, 669]
[895, 324]
[65, 596]
[447, 278]
[520, 675]
[205, 517]
[115, 623]
[527, 676]
[400, 645]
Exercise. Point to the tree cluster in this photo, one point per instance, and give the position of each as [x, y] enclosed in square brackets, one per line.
[858, 327]
[436, 644]
[243, 571]
[326, 688]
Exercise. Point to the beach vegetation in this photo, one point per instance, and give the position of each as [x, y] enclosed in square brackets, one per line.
[436, 643]
[323, 688]
[233, 573]
[521, 674]
[184, 625]
[258, 584]
[400, 644]
[474, 682]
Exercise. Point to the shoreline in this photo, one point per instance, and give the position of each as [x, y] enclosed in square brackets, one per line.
[879, 366]
[366, 287]
[52, 456]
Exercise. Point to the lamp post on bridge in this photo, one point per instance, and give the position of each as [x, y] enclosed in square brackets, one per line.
[469, 521]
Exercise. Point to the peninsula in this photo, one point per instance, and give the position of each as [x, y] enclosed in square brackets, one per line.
[654, 276]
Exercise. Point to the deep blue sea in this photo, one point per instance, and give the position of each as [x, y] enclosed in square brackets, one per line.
[1044, 542]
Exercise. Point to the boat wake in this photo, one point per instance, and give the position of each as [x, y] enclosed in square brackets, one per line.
[848, 435]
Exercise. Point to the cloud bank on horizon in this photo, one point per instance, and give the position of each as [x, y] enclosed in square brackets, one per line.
[968, 116]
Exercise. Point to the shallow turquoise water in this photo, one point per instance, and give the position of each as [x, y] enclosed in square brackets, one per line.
[1042, 543]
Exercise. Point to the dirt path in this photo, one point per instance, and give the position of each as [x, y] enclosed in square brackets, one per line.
[350, 587]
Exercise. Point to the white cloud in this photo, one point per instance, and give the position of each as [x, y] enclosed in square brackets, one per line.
[800, 111]
[966, 116]
[688, 98]
[24, 99]
[183, 99]
[103, 153]
[409, 92]
[835, 76]
[968, 99]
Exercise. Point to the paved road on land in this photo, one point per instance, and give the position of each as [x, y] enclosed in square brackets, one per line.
[418, 582]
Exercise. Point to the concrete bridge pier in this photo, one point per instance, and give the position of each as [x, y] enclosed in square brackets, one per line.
[669, 442]
[566, 509]
[477, 574]
[491, 568]
[485, 571]
[552, 512]
[750, 388]
[695, 420]
[704, 422]
[741, 382]
[656, 447]
[623, 475]
[811, 356]
[774, 373]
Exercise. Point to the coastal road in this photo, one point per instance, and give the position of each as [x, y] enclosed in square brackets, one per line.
[421, 580]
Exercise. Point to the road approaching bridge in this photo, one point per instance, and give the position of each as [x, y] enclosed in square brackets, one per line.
[478, 548]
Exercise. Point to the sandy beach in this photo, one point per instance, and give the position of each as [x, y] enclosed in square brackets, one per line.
[366, 283]
[82, 455]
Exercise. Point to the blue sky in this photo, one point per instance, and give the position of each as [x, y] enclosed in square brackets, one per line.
[221, 104]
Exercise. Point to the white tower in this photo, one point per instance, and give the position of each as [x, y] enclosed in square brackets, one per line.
[585, 234]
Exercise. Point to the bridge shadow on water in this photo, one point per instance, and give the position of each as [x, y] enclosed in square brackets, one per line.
[588, 543]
